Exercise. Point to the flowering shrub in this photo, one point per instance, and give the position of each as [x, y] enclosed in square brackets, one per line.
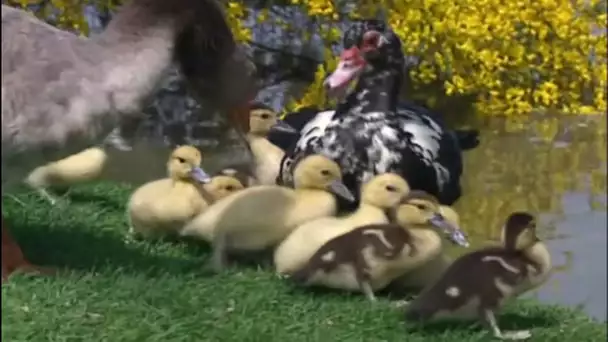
[513, 56]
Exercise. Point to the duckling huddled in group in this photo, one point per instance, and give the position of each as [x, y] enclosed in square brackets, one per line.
[81, 167]
[163, 206]
[259, 217]
[368, 258]
[377, 195]
[433, 266]
[477, 284]
[267, 156]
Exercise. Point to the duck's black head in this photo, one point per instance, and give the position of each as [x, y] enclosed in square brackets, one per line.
[370, 47]
[519, 232]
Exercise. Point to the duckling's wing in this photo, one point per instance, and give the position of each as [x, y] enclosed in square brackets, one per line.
[472, 276]
[249, 208]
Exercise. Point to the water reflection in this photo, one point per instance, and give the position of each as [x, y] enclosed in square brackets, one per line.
[555, 168]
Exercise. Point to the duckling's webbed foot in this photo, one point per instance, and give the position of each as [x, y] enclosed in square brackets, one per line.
[363, 277]
[490, 320]
[219, 258]
[367, 290]
[52, 199]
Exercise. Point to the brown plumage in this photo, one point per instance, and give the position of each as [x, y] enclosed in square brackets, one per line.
[478, 283]
[383, 241]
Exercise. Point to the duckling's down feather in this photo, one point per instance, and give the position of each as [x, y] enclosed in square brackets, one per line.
[260, 216]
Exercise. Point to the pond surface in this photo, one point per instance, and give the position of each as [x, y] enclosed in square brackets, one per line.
[556, 169]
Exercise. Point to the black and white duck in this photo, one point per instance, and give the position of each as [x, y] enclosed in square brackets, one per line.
[370, 132]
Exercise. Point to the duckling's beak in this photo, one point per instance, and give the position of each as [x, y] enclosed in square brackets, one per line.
[338, 188]
[282, 126]
[200, 176]
[454, 233]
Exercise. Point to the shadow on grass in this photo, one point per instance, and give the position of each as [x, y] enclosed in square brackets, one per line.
[97, 199]
[67, 246]
[506, 321]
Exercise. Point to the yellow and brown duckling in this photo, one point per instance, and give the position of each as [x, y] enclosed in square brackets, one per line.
[163, 206]
[259, 217]
[477, 284]
[368, 258]
[380, 193]
[267, 156]
[415, 279]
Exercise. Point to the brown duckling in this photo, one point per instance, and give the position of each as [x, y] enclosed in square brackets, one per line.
[477, 284]
[368, 258]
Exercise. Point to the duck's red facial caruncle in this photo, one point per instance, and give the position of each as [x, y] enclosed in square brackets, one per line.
[352, 61]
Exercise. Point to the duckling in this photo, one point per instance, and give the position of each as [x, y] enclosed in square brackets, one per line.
[267, 156]
[242, 174]
[477, 284]
[163, 206]
[259, 217]
[377, 195]
[81, 167]
[222, 185]
[368, 258]
[428, 272]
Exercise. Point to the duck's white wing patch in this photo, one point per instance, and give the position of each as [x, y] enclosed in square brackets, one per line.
[426, 136]
[314, 129]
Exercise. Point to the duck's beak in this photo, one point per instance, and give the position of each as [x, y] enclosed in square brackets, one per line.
[200, 176]
[350, 66]
[338, 188]
[282, 126]
[454, 233]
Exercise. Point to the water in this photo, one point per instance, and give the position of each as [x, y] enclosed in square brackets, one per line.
[555, 169]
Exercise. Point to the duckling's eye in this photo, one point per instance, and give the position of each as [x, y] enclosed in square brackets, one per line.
[325, 172]
[391, 188]
[421, 206]
[181, 160]
[265, 116]
[229, 187]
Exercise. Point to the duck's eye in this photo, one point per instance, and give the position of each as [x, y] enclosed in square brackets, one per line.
[391, 188]
[371, 39]
[325, 172]
[181, 160]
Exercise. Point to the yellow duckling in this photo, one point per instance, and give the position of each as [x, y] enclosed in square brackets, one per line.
[368, 258]
[433, 267]
[379, 194]
[81, 167]
[267, 156]
[220, 186]
[477, 284]
[163, 206]
[259, 217]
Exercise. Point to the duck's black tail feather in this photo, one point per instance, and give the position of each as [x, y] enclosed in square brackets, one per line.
[296, 120]
[468, 139]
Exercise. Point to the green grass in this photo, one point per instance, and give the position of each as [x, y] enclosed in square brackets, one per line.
[112, 291]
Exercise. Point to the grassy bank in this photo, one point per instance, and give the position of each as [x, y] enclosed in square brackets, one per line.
[115, 292]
